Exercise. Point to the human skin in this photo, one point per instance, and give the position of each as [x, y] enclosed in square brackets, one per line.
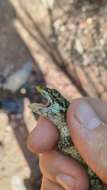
[59, 171]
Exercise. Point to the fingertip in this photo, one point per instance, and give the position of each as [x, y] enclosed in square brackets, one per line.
[44, 136]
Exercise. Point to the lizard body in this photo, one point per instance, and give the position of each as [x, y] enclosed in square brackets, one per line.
[55, 110]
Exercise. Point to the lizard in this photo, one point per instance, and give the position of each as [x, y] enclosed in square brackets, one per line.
[55, 110]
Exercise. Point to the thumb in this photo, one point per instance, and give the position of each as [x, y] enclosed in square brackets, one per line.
[89, 135]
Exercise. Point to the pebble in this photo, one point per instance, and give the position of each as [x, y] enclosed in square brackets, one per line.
[17, 183]
[89, 21]
[19, 77]
[79, 46]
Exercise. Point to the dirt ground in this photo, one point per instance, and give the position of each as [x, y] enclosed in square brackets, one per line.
[68, 49]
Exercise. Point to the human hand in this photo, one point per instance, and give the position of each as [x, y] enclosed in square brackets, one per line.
[85, 118]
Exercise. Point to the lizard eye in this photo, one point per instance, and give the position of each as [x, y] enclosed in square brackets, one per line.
[55, 93]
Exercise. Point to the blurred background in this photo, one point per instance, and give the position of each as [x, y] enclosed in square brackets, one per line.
[62, 44]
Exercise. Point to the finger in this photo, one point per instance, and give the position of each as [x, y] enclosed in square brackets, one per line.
[63, 170]
[49, 185]
[44, 137]
[100, 106]
[89, 135]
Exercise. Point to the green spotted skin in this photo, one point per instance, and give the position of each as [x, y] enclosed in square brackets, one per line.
[55, 110]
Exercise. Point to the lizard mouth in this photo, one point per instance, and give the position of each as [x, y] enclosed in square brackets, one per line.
[46, 99]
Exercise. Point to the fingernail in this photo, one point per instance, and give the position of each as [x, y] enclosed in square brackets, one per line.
[87, 116]
[67, 182]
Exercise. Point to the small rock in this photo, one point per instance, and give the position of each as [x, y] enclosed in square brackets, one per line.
[79, 46]
[89, 21]
[23, 91]
[17, 183]
[62, 28]
[18, 78]
[57, 24]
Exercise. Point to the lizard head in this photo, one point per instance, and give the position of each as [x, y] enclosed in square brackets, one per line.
[53, 97]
